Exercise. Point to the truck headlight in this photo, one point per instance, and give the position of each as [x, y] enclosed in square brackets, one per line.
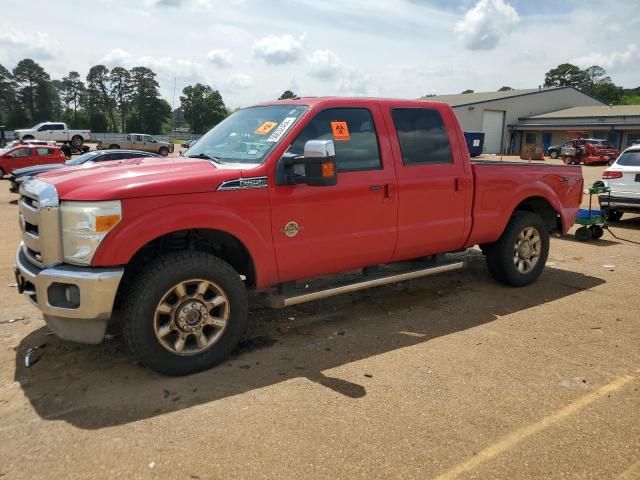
[84, 226]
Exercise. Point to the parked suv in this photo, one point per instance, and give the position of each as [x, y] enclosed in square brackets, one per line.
[623, 177]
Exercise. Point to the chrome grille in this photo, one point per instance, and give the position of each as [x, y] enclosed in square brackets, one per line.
[40, 223]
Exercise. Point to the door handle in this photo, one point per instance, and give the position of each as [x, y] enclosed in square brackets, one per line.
[460, 184]
[388, 190]
[375, 187]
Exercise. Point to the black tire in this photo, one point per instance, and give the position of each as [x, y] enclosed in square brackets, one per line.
[147, 290]
[164, 151]
[77, 141]
[614, 215]
[596, 231]
[1, 173]
[500, 257]
[114, 146]
[553, 154]
[583, 234]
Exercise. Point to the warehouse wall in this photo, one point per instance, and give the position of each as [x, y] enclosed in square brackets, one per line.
[470, 116]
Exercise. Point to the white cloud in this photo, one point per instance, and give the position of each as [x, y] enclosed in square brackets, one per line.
[324, 64]
[613, 60]
[278, 50]
[354, 81]
[239, 81]
[220, 57]
[116, 58]
[486, 24]
[17, 45]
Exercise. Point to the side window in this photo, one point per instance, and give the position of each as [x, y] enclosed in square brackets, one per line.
[129, 137]
[353, 133]
[57, 126]
[423, 138]
[148, 138]
[21, 152]
[41, 151]
[44, 128]
[138, 138]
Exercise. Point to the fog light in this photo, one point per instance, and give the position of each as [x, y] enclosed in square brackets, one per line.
[72, 294]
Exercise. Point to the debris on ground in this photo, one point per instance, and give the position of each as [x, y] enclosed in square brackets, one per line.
[31, 359]
[15, 319]
[368, 375]
[565, 383]
[12, 285]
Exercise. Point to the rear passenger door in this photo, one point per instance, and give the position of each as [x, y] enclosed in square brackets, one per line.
[434, 181]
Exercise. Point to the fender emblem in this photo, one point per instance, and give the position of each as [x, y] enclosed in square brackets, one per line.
[291, 229]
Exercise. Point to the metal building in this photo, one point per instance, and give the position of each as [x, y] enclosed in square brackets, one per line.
[495, 113]
[620, 124]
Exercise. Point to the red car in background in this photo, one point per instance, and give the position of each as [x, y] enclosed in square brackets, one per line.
[28, 155]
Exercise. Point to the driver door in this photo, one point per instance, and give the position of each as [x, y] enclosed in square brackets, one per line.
[322, 230]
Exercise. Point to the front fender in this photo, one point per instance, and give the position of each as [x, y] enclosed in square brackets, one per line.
[146, 219]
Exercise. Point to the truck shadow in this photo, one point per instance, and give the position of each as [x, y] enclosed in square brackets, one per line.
[93, 387]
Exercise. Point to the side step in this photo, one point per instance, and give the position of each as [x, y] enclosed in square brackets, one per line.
[281, 301]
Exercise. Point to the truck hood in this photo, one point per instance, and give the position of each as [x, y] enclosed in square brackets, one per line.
[139, 177]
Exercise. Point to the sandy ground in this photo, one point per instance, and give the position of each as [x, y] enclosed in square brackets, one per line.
[451, 376]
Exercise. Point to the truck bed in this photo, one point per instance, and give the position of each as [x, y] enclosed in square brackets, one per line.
[499, 187]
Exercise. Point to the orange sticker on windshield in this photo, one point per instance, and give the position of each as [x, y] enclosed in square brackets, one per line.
[265, 128]
[340, 131]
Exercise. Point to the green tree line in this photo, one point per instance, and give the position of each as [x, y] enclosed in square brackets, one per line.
[116, 100]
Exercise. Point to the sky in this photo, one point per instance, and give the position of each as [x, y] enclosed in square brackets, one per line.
[253, 50]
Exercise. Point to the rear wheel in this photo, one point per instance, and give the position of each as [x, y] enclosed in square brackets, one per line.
[519, 256]
[76, 141]
[164, 151]
[1, 173]
[114, 146]
[614, 215]
[553, 154]
[185, 314]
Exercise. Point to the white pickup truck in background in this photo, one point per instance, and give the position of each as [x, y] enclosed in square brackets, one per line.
[56, 131]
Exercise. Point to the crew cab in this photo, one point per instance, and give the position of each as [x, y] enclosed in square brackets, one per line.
[22, 156]
[136, 141]
[56, 131]
[277, 193]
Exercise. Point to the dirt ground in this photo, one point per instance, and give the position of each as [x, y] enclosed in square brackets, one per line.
[452, 376]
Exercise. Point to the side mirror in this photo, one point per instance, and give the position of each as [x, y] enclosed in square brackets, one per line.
[318, 161]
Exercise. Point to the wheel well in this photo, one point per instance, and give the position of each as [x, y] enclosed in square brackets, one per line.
[223, 245]
[543, 208]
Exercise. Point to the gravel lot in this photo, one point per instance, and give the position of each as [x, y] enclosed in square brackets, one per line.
[451, 376]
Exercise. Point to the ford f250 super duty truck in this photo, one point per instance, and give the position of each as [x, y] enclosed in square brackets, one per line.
[276, 193]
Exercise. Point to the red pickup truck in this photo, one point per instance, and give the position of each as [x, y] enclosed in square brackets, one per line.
[276, 193]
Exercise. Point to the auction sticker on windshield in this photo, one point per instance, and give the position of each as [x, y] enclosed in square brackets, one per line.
[265, 128]
[281, 130]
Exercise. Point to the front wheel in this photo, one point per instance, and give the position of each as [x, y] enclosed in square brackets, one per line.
[1, 173]
[518, 257]
[28, 137]
[185, 314]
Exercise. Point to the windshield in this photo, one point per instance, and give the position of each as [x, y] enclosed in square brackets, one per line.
[248, 135]
[85, 157]
[629, 159]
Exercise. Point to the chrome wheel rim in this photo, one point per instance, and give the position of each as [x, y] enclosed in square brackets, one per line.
[526, 250]
[191, 317]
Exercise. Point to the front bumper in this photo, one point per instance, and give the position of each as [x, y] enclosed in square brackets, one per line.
[76, 302]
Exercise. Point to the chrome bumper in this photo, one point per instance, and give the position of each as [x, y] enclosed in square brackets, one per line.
[76, 302]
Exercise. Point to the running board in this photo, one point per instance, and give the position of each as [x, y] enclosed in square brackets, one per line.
[282, 301]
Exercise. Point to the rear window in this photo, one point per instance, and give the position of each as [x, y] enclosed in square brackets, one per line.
[422, 135]
[629, 159]
[44, 151]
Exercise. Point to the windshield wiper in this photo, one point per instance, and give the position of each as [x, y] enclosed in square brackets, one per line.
[204, 156]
